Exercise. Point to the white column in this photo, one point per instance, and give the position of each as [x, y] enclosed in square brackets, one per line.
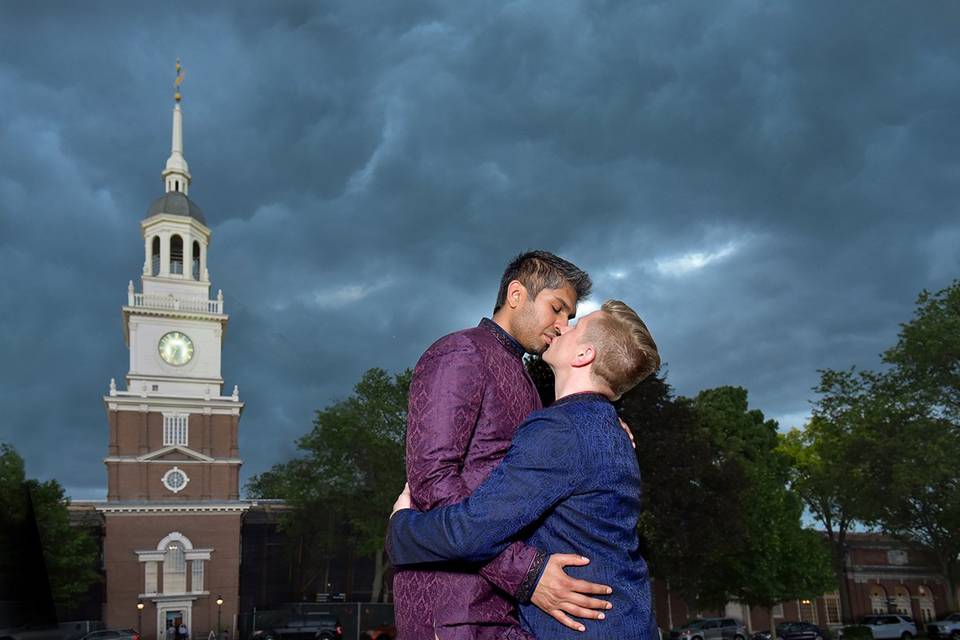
[187, 255]
[165, 253]
[203, 261]
[146, 256]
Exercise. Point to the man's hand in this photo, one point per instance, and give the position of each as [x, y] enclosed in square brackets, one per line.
[629, 433]
[558, 594]
[403, 500]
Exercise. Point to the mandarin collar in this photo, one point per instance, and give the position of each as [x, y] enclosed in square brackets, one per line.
[582, 396]
[508, 341]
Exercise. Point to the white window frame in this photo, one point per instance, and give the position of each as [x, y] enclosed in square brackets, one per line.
[778, 610]
[196, 576]
[150, 577]
[166, 479]
[832, 600]
[176, 429]
[175, 573]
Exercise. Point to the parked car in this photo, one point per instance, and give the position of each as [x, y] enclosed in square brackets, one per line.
[314, 626]
[112, 634]
[947, 627]
[796, 631]
[887, 626]
[62, 632]
[711, 629]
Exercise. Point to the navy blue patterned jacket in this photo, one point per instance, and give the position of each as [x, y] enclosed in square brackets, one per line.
[569, 483]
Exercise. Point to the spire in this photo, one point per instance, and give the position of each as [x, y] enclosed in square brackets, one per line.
[176, 175]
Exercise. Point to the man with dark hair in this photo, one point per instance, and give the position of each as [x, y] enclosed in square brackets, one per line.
[570, 482]
[470, 391]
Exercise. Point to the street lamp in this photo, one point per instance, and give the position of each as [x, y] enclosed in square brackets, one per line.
[219, 605]
[140, 617]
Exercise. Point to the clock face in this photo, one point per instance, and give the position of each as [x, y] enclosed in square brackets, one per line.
[176, 348]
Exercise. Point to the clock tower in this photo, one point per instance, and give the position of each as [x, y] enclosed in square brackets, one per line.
[173, 510]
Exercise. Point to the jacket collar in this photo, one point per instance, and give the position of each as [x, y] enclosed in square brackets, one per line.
[508, 341]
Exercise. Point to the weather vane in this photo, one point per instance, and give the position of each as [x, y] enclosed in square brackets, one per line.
[176, 83]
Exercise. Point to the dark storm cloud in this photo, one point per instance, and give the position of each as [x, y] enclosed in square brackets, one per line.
[769, 184]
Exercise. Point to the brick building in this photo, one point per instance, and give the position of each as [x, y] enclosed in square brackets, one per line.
[883, 574]
[171, 523]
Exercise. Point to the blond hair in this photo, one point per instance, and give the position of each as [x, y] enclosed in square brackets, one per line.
[625, 350]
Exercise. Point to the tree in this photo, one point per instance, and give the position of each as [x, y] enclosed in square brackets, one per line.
[32, 512]
[780, 560]
[832, 465]
[922, 483]
[690, 519]
[926, 359]
[352, 464]
[905, 422]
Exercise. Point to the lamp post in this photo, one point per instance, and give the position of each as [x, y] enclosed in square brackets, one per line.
[219, 608]
[140, 617]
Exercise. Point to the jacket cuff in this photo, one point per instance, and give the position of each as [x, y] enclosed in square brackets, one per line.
[529, 583]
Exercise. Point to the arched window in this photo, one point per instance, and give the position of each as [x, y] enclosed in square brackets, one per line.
[878, 599]
[174, 568]
[925, 603]
[196, 260]
[176, 254]
[901, 600]
[155, 256]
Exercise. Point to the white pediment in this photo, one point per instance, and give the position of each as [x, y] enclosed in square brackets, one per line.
[174, 453]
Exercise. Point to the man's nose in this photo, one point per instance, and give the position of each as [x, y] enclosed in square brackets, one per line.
[562, 329]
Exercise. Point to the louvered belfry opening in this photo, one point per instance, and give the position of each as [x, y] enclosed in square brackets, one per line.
[176, 254]
[155, 256]
[196, 260]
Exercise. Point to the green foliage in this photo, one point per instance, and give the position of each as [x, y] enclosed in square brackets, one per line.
[882, 447]
[690, 520]
[926, 358]
[69, 553]
[780, 560]
[350, 470]
[542, 377]
[857, 632]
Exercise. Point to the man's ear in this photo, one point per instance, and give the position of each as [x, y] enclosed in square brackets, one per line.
[586, 354]
[516, 294]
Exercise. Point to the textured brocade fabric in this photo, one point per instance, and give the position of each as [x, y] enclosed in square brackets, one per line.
[469, 393]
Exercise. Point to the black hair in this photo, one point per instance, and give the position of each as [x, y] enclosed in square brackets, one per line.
[539, 270]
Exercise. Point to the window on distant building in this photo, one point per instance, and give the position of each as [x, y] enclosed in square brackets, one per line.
[150, 575]
[925, 603]
[778, 610]
[897, 557]
[176, 254]
[831, 603]
[807, 611]
[196, 577]
[878, 599]
[174, 569]
[175, 480]
[175, 429]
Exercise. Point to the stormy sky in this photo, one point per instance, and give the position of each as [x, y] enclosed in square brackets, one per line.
[769, 184]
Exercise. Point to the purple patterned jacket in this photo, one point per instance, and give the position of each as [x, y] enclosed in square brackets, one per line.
[469, 393]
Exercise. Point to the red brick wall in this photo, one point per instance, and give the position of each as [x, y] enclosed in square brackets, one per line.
[126, 534]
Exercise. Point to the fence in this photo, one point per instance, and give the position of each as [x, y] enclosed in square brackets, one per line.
[355, 617]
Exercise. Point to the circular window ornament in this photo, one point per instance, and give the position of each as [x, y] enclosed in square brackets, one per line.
[175, 480]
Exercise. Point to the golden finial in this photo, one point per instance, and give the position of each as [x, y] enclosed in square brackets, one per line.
[176, 83]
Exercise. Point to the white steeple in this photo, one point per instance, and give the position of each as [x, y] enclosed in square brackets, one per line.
[176, 175]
